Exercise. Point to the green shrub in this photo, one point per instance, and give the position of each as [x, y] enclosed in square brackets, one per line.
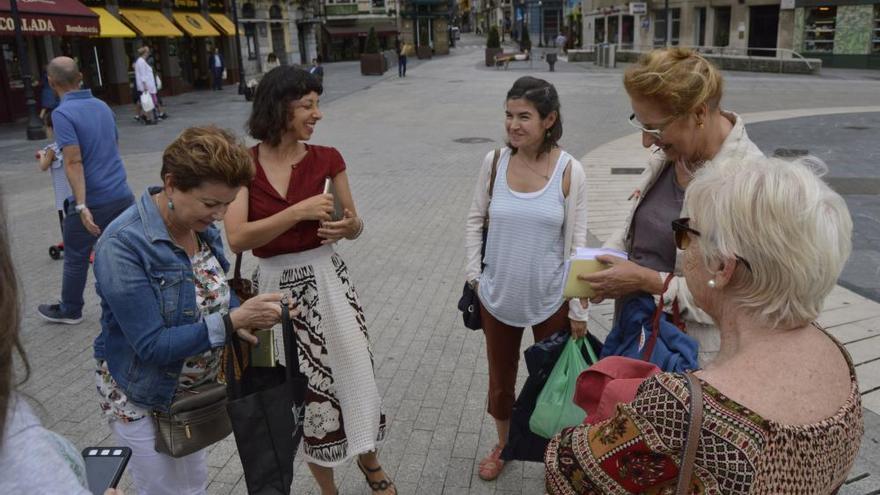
[493, 40]
[372, 45]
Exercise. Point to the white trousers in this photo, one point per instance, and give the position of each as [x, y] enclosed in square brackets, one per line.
[160, 474]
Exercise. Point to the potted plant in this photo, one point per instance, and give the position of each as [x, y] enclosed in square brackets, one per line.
[493, 46]
[372, 61]
[423, 50]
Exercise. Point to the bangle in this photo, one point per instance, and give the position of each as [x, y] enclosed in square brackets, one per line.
[359, 230]
[227, 322]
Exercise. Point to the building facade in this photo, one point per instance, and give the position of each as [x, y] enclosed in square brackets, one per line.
[425, 25]
[843, 33]
[347, 24]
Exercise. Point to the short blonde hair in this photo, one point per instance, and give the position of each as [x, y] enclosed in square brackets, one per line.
[207, 154]
[679, 79]
[794, 231]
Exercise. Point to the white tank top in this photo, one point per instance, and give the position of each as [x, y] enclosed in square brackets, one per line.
[521, 284]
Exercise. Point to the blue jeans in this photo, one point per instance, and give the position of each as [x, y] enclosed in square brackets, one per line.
[401, 66]
[217, 79]
[78, 244]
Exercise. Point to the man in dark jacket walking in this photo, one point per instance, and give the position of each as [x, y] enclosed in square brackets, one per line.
[217, 67]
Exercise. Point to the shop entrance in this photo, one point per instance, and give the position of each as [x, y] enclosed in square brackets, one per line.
[763, 27]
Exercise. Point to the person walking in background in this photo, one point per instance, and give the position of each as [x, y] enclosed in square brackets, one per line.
[317, 69]
[167, 310]
[534, 195]
[145, 82]
[286, 217]
[272, 61]
[782, 413]
[402, 55]
[675, 95]
[48, 98]
[85, 130]
[52, 159]
[217, 68]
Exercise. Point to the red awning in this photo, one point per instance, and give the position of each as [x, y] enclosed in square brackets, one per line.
[50, 17]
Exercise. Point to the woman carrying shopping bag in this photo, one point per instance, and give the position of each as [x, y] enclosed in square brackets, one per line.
[537, 217]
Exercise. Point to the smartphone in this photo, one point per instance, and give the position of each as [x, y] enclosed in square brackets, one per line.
[337, 208]
[104, 467]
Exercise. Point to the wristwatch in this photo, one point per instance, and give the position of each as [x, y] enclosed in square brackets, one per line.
[79, 208]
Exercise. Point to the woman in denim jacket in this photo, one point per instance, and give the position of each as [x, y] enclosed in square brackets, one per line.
[167, 310]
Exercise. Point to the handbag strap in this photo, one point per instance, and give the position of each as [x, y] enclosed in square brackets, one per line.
[288, 334]
[492, 175]
[232, 358]
[655, 321]
[695, 424]
[236, 275]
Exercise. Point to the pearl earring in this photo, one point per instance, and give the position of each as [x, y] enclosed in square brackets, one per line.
[170, 204]
[712, 284]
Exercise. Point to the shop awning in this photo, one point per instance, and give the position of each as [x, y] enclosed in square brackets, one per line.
[194, 24]
[359, 29]
[111, 27]
[149, 23]
[223, 23]
[50, 17]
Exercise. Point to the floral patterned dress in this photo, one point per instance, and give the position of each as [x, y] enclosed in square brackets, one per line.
[212, 295]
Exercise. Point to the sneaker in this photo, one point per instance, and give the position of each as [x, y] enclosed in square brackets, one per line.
[163, 116]
[52, 313]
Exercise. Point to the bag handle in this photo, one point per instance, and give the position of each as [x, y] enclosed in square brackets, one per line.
[231, 380]
[495, 157]
[288, 334]
[236, 275]
[695, 424]
[655, 320]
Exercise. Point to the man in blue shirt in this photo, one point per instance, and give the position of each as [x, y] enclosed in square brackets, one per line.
[85, 130]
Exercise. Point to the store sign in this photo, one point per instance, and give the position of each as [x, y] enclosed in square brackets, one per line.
[638, 8]
[187, 5]
[140, 4]
[216, 6]
[50, 25]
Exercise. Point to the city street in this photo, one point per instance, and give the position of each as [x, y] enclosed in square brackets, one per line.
[413, 148]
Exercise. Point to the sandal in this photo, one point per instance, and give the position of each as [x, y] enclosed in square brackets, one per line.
[491, 465]
[376, 486]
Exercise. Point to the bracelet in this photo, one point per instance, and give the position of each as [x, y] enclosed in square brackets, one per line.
[359, 230]
[227, 322]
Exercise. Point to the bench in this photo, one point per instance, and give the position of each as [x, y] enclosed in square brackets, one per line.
[505, 59]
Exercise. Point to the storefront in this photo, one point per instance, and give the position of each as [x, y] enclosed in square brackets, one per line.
[159, 33]
[226, 42]
[41, 22]
[194, 48]
[345, 40]
[842, 33]
[425, 24]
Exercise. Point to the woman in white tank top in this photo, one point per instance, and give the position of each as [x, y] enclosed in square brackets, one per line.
[538, 217]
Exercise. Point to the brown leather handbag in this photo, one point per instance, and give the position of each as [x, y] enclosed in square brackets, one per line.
[244, 288]
[197, 418]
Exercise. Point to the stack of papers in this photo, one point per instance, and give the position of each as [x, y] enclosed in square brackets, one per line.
[581, 263]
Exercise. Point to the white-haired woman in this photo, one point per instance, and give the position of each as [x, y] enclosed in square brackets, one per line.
[764, 246]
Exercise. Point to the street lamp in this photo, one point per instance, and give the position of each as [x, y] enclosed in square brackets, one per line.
[34, 127]
[540, 23]
[241, 85]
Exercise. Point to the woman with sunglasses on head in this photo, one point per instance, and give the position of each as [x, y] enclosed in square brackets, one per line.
[675, 95]
[781, 409]
[285, 215]
[538, 217]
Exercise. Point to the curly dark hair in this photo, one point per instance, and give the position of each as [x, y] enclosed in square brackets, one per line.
[278, 88]
[544, 97]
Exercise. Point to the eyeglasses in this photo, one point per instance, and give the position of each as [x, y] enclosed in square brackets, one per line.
[655, 133]
[683, 232]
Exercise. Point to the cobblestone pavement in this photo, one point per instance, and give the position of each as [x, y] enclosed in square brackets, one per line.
[413, 183]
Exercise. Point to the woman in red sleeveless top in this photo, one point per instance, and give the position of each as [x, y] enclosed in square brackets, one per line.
[285, 218]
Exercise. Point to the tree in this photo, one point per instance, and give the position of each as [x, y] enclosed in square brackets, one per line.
[372, 45]
[493, 40]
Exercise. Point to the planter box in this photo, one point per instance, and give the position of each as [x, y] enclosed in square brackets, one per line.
[372, 64]
[424, 52]
[490, 55]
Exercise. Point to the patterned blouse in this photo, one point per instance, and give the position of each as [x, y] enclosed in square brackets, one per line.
[639, 449]
[212, 295]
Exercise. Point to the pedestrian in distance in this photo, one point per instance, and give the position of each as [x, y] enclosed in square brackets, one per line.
[217, 66]
[145, 81]
[675, 95]
[317, 69]
[32, 458]
[534, 196]
[406, 50]
[286, 216]
[781, 408]
[272, 61]
[51, 158]
[167, 310]
[85, 130]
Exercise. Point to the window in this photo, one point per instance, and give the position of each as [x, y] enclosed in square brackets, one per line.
[250, 36]
[819, 28]
[722, 26]
[659, 28]
[377, 4]
[662, 29]
[875, 34]
[599, 36]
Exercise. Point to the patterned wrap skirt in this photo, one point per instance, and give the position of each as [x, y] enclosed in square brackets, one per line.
[343, 415]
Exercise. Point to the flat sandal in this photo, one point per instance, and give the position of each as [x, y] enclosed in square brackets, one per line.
[376, 486]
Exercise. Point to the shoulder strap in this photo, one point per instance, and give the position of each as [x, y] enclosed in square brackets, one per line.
[695, 424]
[494, 171]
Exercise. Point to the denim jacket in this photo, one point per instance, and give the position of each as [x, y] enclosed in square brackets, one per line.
[149, 320]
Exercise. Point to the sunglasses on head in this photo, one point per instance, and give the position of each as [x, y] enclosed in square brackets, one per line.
[683, 232]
